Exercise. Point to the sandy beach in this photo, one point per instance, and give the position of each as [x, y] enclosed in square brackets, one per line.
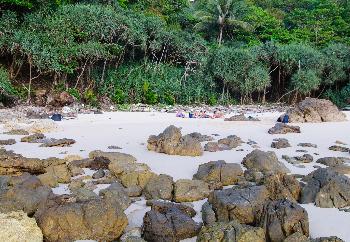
[130, 132]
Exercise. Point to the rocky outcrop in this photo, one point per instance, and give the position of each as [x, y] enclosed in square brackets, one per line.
[241, 204]
[57, 142]
[34, 138]
[231, 231]
[17, 226]
[326, 188]
[313, 110]
[282, 186]
[265, 162]
[219, 172]
[171, 142]
[333, 161]
[282, 218]
[159, 187]
[24, 192]
[63, 218]
[169, 222]
[281, 128]
[116, 193]
[280, 143]
[55, 174]
[15, 164]
[186, 190]
[241, 117]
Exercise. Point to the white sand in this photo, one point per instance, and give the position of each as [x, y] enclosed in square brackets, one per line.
[131, 130]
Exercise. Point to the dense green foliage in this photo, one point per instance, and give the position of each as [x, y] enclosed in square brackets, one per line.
[177, 51]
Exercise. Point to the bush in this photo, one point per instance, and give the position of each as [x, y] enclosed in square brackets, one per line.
[6, 87]
[339, 98]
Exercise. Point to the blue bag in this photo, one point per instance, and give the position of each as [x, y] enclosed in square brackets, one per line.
[285, 119]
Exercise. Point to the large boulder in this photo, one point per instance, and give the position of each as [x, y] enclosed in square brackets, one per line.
[231, 231]
[313, 110]
[116, 193]
[282, 218]
[159, 187]
[281, 128]
[17, 226]
[282, 186]
[265, 162]
[326, 188]
[242, 204]
[169, 222]
[219, 172]
[56, 174]
[62, 218]
[186, 190]
[24, 192]
[171, 142]
[15, 164]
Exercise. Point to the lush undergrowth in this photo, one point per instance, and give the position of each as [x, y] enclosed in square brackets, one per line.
[166, 51]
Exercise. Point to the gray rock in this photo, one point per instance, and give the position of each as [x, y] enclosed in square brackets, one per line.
[219, 172]
[116, 193]
[307, 145]
[159, 187]
[208, 214]
[339, 148]
[313, 110]
[231, 231]
[253, 176]
[333, 161]
[326, 188]
[7, 142]
[230, 142]
[282, 218]
[171, 142]
[186, 190]
[57, 142]
[242, 204]
[83, 194]
[241, 117]
[297, 237]
[212, 147]
[265, 162]
[24, 192]
[280, 143]
[281, 128]
[199, 137]
[34, 138]
[98, 174]
[328, 239]
[169, 222]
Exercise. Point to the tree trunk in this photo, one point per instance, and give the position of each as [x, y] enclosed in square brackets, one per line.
[30, 80]
[220, 34]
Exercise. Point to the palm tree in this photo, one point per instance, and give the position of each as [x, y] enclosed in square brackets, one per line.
[222, 13]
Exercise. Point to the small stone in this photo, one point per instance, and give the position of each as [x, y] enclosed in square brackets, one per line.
[17, 132]
[7, 142]
[339, 148]
[307, 145]
[98, 174]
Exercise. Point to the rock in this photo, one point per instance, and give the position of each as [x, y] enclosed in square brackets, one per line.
[15, 164]
[265, 162]
[159, 187]
[34, 138]
[24, 192]
[219, 172]
[333, 161]
[280, 143]
[130, 173]
[307, 145]
[199, 137]
[63, 218]
[306, 158]
[297, 237]
[57, 142]
[134, 191]
[208, 214]
[114, 147]
[230, 142]
[171, 142]
[241, 117]
[112, 157]
[55, 174]
[76, 184]
[17, 132]
[186, 190]
[98, 174]
[342, 169]
[339, 148]
[17, 226]
[253, 176]
[169, 222]
[231, 231]
[241, 204]
[93, 164]
[132, 235]
[313, 110]
[212, 147]
[282, 186]
[301, 151]
[326, 189]
[281, 128]
[328, 239]
[83, 194]
[282, 218]
[60, 99]
[116, 193]
[7, 142]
